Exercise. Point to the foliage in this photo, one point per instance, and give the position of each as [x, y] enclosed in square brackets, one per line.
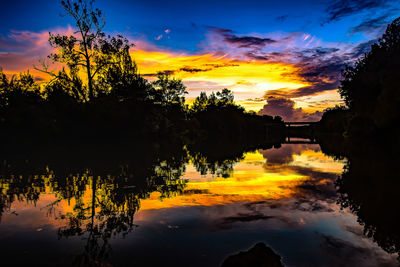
[370, 87]
[221, 99]
[217, 118]
[99, 96]
[168, 91]
[88, 50]
[334, 120]
[121, 79]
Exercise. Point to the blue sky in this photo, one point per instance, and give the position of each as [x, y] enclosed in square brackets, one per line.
[188, 20]
[314, 39]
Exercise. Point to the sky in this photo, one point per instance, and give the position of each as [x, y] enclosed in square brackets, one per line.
[278, 57]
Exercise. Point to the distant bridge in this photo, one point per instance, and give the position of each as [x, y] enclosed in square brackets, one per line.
[297, 141]
[297, 129]
[302, 129]
[300, 123]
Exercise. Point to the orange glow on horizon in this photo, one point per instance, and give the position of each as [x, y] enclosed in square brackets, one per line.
[249, 80]
[209, 72]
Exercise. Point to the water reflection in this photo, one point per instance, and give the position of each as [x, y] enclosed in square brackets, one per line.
[207, 202]
[368, 187]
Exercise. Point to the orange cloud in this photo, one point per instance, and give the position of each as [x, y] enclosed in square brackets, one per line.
[248, 79]
[210, 72]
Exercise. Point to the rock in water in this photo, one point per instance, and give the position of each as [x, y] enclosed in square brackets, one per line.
[258, 256]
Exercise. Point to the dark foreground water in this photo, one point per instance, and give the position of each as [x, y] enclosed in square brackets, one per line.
[188, 210]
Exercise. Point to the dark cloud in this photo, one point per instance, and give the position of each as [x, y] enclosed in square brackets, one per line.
[215, 66]
[284, 107]
[247, 41]
[371, 24]
[242, 41]
[194, 25]
[255, 56]
[318, 51]
[220, 30]
[318, 86]
[282, 18]
[194, 70]
[362, 48]
[226, 222]
[166, 72]
[207, 67]
[342, 8]
[320, 67]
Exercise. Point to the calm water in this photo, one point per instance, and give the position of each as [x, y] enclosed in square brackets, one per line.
[184, 210]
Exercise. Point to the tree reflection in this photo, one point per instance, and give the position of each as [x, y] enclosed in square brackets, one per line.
[369, 188]
[371, 192]
[103, 200]
[218, 156]
[99, 218]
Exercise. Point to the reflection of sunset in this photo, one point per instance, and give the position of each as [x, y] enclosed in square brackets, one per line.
[318, 161]
[252, 180]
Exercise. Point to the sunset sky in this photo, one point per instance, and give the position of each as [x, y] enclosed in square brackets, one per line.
[278, 57]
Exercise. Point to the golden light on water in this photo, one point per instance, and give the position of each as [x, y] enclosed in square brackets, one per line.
[253, 179]
[318, 161]
[249, 182]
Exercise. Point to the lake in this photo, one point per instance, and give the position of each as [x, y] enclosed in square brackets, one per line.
[187, 208]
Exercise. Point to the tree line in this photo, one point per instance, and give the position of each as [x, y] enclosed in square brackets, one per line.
[99, 95]
[370, 91]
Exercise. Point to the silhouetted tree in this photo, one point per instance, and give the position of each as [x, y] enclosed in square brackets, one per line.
[225, 97]
[99, 96]
[168, 91]
[89, 50]
[218, 119]
[218, 100]
[200, 103]
[4, 86]
[334, 120]
[121, 78]
[370, 87]
[21, 101]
